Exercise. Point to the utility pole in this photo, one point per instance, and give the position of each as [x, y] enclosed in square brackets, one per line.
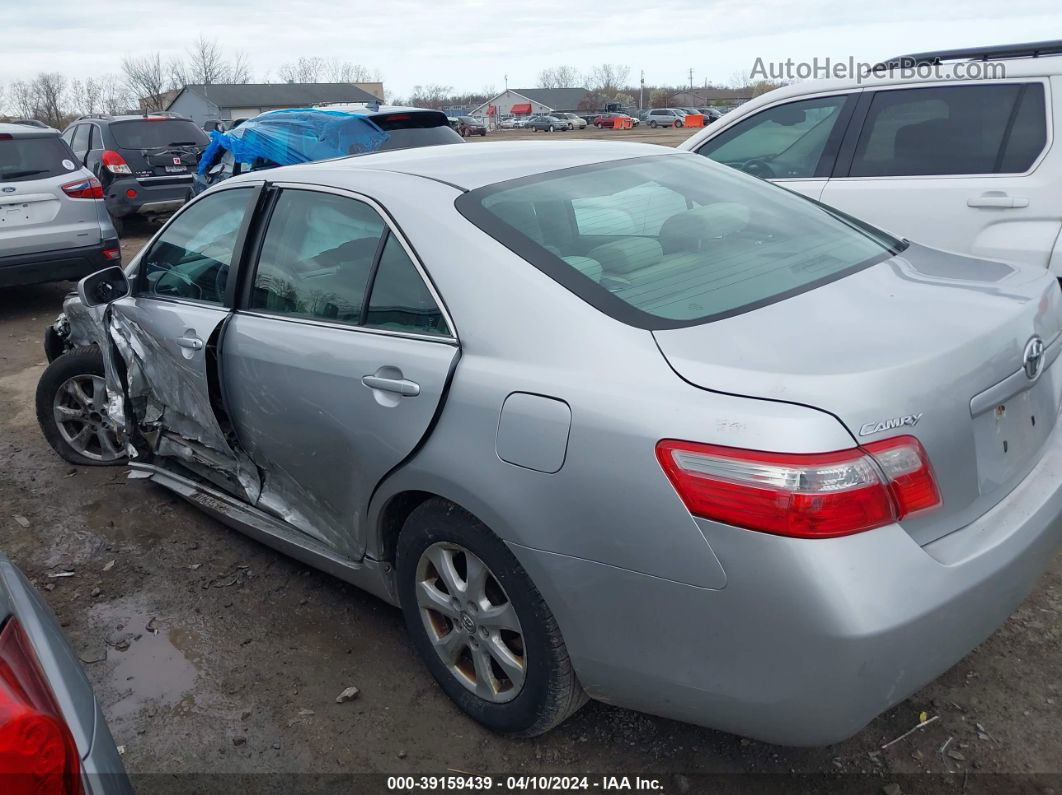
[641, 93]
[506, 82]
[691, 78]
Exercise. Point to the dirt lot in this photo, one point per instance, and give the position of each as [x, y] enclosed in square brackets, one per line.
[253, 648]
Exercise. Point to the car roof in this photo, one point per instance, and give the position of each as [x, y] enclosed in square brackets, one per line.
[471, 166]
[26, 130]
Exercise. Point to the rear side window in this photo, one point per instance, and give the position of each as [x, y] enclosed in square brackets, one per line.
[157, 133]
[24, 159]
[317, 257]
[672, 240]
[985, 129]
[400, 299]
[786, 141]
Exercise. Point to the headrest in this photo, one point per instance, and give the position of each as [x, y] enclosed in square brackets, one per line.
[628, 254]
[687, 231]
[586, 266]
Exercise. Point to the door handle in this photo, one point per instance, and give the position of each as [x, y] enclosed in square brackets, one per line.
[400, 386]
[997, 199]
[193, 343]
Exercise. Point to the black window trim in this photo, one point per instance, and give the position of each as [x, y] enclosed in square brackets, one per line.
[249, 267]
[139, 286]
[830, 152]
[470, 206]
[843, 168]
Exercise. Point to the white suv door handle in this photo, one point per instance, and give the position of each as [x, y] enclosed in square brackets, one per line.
[997, 199]
[400, 386]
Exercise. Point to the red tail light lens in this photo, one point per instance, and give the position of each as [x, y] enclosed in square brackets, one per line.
[84, 189]
[37, 752]
[114, 162]
[822, 495]
[112, 253]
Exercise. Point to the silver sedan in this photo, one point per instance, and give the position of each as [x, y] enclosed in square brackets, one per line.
[606, 420]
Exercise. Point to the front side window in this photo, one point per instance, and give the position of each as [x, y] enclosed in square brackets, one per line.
[192, 257]
[317, 257]
[983, 129]
[783, 142]
[672, 240]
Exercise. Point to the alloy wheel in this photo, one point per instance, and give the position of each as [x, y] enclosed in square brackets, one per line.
[470, 621]
[80, 410]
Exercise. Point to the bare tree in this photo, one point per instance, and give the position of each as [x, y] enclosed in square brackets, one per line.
[50, 95]
[22, 99]
[114, 95]
[560, 77]
[86, 96]
[304, 70]
[337, 71]
[3, 98]
[239, 68]
[609, 78]
[146, 80]
[432, 95]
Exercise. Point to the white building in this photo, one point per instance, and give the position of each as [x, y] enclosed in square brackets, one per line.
[531, 101]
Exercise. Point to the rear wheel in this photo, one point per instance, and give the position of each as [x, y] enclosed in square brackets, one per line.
[551, 128]
[678, 123]
[480, 625]
[72, 410]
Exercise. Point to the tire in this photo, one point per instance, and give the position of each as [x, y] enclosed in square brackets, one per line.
[551, 128]
[550, 691]
[119, 225]
[83, 364]
[653, 124]
[678, 123]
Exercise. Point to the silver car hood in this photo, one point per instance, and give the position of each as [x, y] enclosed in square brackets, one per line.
[926, 343]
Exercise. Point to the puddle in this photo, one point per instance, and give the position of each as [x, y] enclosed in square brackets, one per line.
[146, 671]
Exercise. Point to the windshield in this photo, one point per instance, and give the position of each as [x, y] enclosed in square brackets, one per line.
[673, 240]
[157, 134]
[34, 158]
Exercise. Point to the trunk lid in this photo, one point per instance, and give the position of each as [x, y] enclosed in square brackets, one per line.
[928, 344]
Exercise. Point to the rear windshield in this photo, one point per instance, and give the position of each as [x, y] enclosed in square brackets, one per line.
[155, 134]
[409, 130]
[34, 158]
[670, 240]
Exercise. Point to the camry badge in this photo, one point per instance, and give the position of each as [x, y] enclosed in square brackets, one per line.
[8, 190]
[887, 425]
[1032, 360]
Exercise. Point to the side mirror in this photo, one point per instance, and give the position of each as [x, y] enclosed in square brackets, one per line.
[103, 287]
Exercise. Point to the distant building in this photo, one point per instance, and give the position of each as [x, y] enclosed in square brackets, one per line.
[231, 101]
[701, 97]
[528, 101]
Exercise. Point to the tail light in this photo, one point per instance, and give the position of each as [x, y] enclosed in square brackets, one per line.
[84, 189]
[821, 495]
[114, 162]
[112, 253]
[37, 751]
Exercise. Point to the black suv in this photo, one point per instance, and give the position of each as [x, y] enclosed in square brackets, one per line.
[146, 163]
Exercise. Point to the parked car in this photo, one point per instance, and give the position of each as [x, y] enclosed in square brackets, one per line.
[53, 223]
[711, 114]
[53, 737]
[722, 496]
[604, 120]
[145, 163]
[577, 122]
[548, 124]
[665, 117]
[285, 137]
[967, 165]
[508, 123]
[469, 125]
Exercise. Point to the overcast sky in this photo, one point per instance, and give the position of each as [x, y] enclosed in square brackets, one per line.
[472, 44]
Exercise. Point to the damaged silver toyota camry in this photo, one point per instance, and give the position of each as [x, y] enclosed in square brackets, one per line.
[606, 420]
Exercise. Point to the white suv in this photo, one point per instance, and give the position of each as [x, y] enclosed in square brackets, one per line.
[967, 165]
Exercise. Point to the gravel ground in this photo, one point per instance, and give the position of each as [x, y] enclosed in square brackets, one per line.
[252, 648]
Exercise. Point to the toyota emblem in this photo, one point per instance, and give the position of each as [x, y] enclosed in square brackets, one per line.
[1032, 361]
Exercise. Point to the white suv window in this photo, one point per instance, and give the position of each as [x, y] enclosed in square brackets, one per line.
[985, 129]
[783, 142]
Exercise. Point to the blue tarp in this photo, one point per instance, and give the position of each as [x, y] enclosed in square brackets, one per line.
[287, 137]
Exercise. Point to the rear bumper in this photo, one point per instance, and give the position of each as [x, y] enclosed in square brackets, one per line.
[102, 772]
[56, 266]
[809, 640]
[151, 198]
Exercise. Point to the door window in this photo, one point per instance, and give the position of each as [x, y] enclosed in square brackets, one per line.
[400, 299]
[80, 144]
[982, 129]
[783, 142]
[317, 257]
[192, 256]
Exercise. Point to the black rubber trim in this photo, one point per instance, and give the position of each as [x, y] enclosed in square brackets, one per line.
[471, 207]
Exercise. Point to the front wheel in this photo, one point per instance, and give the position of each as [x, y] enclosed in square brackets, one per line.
[551, 128]
[480, 625]
[678, 124]
[72, 410]
[652, 124]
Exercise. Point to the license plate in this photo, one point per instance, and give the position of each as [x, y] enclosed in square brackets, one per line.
[175, 169]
